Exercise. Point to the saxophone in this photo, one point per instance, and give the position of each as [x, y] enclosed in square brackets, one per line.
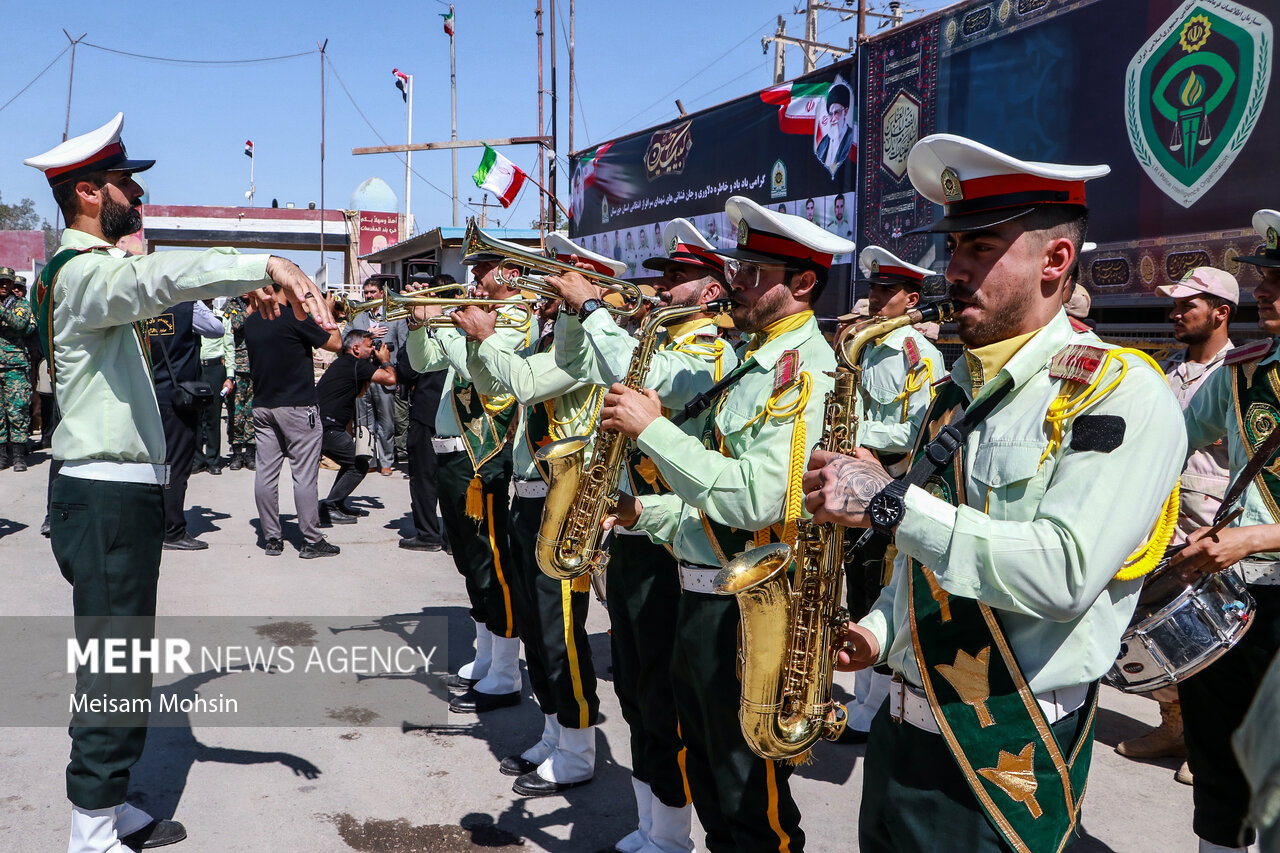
[580, 496]
[791, 629]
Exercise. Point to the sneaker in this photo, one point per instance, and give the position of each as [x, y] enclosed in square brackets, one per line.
[274, 547]
[319, 548]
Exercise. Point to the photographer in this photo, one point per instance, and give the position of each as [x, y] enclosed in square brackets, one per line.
[363, 360]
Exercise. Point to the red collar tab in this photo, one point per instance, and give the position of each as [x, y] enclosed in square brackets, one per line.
[594, 264]
[782, 248]
[98, 162]
[995, 192]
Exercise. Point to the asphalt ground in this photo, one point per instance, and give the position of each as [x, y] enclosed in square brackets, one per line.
[414, 786]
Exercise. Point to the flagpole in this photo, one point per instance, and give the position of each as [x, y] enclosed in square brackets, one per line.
[453, 111]
[408, 163]
[252, 188]
[549, 195]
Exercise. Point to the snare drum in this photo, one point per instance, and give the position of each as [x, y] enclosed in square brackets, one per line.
[1178, 630]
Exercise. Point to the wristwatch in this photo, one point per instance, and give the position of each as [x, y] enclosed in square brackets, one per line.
[886, 509]
[586, 309]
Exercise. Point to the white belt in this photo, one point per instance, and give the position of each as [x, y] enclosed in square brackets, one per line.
[1260, 572]
[698, 578]
[116, 472]
[530, 488]
[907, 704]
[449, 444]
[627, 531]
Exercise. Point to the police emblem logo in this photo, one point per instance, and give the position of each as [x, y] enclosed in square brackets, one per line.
[743, 232]
[1273, 239]
[875, 265]
[951, 189]
[671, 247]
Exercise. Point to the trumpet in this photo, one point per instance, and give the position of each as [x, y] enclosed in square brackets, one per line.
[533, 269]
[399, 306]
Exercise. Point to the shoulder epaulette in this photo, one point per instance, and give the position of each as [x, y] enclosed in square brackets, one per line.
[946, 377]
[912, 351]
[1077, 363]
[1249, 352]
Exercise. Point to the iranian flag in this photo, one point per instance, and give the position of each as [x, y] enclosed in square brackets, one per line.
[588, 163]
[500, 176]
[448, 21]
[798, 105]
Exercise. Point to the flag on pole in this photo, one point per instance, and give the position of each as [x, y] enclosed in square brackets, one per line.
[248, 148]
[448, 22]
[500, 176]
[402, 83]
[798, 105]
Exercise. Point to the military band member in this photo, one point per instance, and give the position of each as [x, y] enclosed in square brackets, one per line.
[643, 582]
[474, 478]
[1239, 404]
[1203, 302]
[107, 520]
[739, 489]
[1005, 606]
[898, 372]
[551, 613]
[16, 323]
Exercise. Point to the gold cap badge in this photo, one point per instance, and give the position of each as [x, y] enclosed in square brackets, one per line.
[951, 189]
[743, 231]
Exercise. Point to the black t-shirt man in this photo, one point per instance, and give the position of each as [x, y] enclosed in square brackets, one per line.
[280, 362]
[339, 387]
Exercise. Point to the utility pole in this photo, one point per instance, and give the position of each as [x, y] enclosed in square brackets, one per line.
[322, 46]
[573, 81]
[66, 128]
[453, 113]
[542, 202]
[811, 36]
[485, 204]
[779, 50]
[551, 167]
[810, 44]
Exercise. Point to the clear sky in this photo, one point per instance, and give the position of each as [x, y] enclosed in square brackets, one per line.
[632, 61]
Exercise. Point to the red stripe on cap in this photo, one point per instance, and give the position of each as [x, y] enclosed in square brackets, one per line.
[979, 188]
[707, 256]
[772, 244]
[902, 272]
[594, 264]
[113, 150]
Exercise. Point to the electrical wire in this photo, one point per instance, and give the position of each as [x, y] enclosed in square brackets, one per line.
[174, 61]
[34, 79]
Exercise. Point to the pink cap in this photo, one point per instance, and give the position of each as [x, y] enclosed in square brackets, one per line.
[1204, 280]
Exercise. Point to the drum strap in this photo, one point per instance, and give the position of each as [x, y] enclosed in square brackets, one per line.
[1257, 415]
[1029, 785]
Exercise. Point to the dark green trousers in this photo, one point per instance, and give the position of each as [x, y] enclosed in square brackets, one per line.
[1214, 702]
[107, 540]
[480, 549]
[743, 801]
[916, 800]
[553, 626]
[643, 591]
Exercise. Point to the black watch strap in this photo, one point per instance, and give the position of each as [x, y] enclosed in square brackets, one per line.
[887, 507]
[587, 307]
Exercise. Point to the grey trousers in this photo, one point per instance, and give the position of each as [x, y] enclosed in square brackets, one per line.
[376, 410]
[293, 432]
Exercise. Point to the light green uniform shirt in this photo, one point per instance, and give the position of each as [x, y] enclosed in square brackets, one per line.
[223, 348]
[746, 489]
[1041, 543]
[888, 418]
[103, 380]
[534, 377]
[1211, 415]
[438, 349]
[691, 357]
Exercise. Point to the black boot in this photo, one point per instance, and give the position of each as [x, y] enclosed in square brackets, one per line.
[237, 460]
[18, 450]
[4, 456]
[249, 461]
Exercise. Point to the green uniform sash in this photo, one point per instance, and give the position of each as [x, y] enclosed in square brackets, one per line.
[1029, 786]
[483, 423]
[1257, 402]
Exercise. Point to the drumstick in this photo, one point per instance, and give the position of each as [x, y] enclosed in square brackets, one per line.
[1218, 528]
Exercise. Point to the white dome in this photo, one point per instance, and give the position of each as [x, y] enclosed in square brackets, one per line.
[375, 194]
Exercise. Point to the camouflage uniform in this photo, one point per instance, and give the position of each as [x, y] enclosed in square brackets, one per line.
[240, 416]
[16, 323]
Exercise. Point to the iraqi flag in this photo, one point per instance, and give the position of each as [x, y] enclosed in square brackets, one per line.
[798, 105]
[402, 83]
[500, 176]
[248, 148]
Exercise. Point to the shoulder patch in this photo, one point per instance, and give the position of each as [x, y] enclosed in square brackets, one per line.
[786, 369]
[1077, 363]
[1249, 352]
[1100, 433]
[912, 350]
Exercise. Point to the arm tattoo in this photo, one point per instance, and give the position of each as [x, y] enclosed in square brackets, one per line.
[858, 482]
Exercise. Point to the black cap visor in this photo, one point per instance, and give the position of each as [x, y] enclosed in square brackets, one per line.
[1267, 259]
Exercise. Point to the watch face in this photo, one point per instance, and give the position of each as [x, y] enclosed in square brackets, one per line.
[885, 510]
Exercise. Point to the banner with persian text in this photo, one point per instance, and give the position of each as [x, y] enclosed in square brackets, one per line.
[1172, 94]
[792, 147]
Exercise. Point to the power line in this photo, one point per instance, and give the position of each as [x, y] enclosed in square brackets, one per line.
[178, 61]
[34, 79]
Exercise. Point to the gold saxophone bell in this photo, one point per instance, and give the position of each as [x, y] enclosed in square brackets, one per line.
[532, 270]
